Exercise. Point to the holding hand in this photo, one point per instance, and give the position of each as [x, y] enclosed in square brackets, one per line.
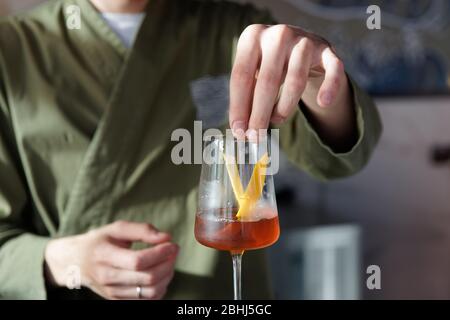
[109, 267]
[269, 57]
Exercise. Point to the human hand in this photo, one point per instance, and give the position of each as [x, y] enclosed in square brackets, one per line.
[109, 267]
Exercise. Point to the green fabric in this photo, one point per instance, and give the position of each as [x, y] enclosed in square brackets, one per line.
[85, 130]
[312, 155]
[22, 267]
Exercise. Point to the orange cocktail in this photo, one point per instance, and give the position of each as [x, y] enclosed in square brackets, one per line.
[234, 235]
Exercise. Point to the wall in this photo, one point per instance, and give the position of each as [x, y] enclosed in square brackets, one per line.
[401, 200]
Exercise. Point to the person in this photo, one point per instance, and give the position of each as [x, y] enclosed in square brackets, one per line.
[88, 190]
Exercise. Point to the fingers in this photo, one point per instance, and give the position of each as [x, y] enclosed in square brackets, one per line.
[128, 259]
[334, 75]
[133, 231]
[267, 52]
[154, 292]
[276, 43]
[295, 82]
[242, 80]
[110, 276]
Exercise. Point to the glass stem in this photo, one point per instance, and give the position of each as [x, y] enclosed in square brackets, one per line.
[237, 260]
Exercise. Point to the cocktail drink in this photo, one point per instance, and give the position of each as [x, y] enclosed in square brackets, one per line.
[234, 235]
[237, 208]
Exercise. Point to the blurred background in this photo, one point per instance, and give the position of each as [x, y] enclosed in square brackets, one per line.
[396, 213]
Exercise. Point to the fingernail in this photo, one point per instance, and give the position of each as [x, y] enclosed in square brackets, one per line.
[252, 135]
[238, 129]
[327, 98]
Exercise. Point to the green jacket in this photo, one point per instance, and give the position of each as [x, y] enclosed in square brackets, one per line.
[85, 128]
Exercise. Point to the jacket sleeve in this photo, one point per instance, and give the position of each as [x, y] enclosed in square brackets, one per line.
[304, 147]
[21, 250]
[302, 144]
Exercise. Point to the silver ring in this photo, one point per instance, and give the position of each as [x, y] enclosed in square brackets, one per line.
[139, 292]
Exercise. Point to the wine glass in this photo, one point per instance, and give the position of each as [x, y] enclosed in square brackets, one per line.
[237, 208]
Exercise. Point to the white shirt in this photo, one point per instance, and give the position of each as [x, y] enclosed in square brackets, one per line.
[125, 25]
